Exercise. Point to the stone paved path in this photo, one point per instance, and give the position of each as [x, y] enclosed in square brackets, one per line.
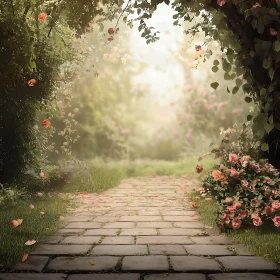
[140, 230]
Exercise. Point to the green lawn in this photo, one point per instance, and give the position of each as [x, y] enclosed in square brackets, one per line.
[264, 243]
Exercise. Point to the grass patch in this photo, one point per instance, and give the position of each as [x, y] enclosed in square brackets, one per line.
[34, 226]
[261, 242]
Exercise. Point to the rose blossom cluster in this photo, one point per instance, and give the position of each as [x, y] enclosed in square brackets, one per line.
[248, 192]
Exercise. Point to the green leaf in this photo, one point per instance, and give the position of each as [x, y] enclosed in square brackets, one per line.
[268, 127]
[267, 63]
[216, 62]
[214, 85]
[215, 69]
[276, 46]
[227, 76]
[235, 90]
[238, 82]
[271, 73]
[248, 99]
[264, 147]
[226, 67]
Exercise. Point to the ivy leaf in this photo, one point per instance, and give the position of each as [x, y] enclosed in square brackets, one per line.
[215, 69]
[248, 99]
[267, 63]
[235, 90]
[276, 46]
[271, 73]
[268, 127]
[214, 85]
[264, 147]
[216, 62]
[238, 82]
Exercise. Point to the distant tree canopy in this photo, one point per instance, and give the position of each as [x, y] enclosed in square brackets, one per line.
[37, 38]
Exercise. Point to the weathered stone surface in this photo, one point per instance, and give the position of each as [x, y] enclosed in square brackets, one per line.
[139, 231]
[246, 263]
[176, 276]
[83, 264]
[56, 250]
[81, 240]
[83, 218]
[33, 263]
[101, 232]
[32, 276]
[154, 225]
[192, 263]
[119, 225]
[163, 240]
[208, 250]
[66, 231]
[167, 250]
[83, 225]
[240, 250]
[53, 239]
[103, 219]
[178, 213]
[111, 276]
[178, 218]
[119, 250]
[140, 218]
[118, 240]
[188, 225]
[211, 240]
[242, 276]
[145, 263]
[179, 231]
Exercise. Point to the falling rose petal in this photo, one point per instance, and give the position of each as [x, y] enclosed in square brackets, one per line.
[38, 194]
[19, 221]
[14, 223]
[42, 174]
[30, 242]
[42, 213]
[61, 218]
[31, 206]
[24, 258]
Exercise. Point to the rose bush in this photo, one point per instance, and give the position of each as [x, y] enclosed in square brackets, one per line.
[247, 189]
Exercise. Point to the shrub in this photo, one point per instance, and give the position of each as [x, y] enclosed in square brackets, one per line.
[246, 188]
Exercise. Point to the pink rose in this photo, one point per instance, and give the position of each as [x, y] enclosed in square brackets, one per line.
[231, 209]
[256, 220]
[237, 205]
[257, 5]
[236, 223]
[228, 200]
[233, 159]
[251, 188]
[276, 221]
[244, 183]
[243, 214]
[256, 168]
[268, 211]
[276, 205]
[244, 161]
[272, 32]
[221, 2]
[226, 218]
[267, 180]
[234, 174]
[255, 202]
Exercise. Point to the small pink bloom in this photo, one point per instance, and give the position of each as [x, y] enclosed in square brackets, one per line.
[197, 48]
[234, 174]
[237, 205]
[38, 194]
[272, 32]
[229, 200]
[31, 206]
[42, 174]
[276, 205]
[193, 204]
[221, 2]
[267, 180]
[31, 82]
[256, 220]
[236, 223]
[276, 221]
[243, 214]
[42, 213]
[257, 5]
[256, 168]
[244, 183]
[30, 242]
[268, 211]
[233, 159]
[14, 223]
[244, 161]
[226, 218]
[42, 16]
[231, 209]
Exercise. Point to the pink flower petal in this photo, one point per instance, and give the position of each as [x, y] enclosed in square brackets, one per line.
[30, 242]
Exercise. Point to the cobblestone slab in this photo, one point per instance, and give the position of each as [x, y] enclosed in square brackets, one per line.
[176, 276]
[145, 263]
[188, 225]
[163, 240]
[211, 240]
[191, 263]
[83, 264]
[167, 250]
[83, 225]
[139, 231]
[102, 231]
[208, 250]
[81, 240]
[140, 218]
[32, 276]
[246, 263]
[111, 276]
[118, 240]
[33, 263]
[65, 231]
[120, 250]
[61, 249]
[119, 225]
[53, 239]
[242, 276]
[154, 225]
[179, 231]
